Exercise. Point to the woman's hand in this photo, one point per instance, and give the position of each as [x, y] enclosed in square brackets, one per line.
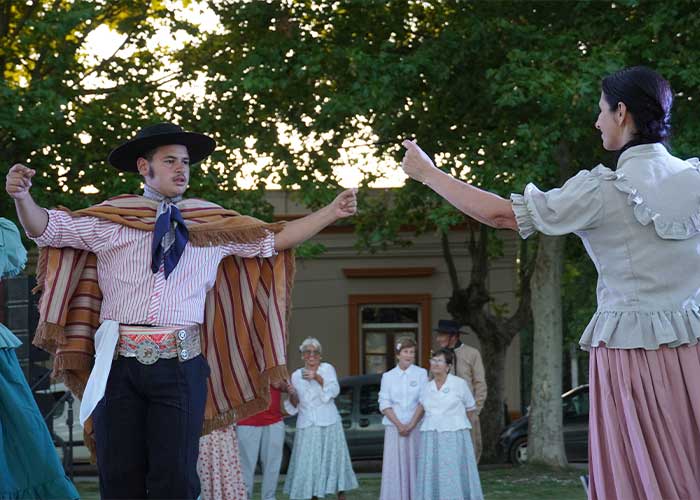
[345, 204]
[473, 416]
[293, 395]
[416, 164]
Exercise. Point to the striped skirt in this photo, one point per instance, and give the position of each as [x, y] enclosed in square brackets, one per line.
[320, 464]
[644, 435]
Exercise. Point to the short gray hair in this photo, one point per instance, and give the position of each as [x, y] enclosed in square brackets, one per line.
[310, 341]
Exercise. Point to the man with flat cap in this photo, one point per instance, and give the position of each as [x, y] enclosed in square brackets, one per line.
[144, 296]
[469, 366]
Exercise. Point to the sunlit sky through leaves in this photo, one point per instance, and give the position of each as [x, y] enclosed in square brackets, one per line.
[357, 158]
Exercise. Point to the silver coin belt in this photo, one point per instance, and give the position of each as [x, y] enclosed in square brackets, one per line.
[182, 343]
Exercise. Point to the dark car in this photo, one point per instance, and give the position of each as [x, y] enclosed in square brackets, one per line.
[513, 439]
[358, 405]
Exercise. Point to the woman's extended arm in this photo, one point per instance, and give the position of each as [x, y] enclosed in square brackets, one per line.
[486, 207]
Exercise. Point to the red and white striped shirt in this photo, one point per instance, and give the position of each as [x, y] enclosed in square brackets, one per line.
[132, 293]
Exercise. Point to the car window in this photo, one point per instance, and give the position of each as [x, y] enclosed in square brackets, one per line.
[344, 401]
[369, 400]
[576, 405]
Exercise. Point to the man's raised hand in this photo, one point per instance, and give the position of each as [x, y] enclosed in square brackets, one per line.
[19, 181]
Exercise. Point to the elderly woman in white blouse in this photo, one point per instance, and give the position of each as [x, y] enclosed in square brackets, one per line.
[398, 402]
[320, 463]
[446, 464]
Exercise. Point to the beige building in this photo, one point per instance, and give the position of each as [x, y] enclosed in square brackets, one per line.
[357, 304]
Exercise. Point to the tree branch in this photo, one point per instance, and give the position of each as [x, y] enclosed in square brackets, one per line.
[523, 313]
[478, 249]
[449, 260]
[129, 35]
[149, 86]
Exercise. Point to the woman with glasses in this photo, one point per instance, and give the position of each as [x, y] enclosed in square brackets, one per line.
[320, 463]
[398, 402]
[446, 460]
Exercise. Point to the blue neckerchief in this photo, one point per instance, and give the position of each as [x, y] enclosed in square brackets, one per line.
[170, 234]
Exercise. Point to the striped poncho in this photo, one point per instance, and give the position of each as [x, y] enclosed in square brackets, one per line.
[244, 335]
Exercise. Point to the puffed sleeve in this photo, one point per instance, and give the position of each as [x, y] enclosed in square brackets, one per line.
[423, 395]
[13, 255]
[466, 396]
[423, 378]
[384, 396]
[288, 406]
[576, 206]
[330, 389]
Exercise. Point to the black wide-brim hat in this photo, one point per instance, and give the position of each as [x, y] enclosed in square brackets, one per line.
[448, 326]
[124, 157]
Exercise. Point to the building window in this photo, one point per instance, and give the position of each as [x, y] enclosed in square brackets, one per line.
[381, 327]
[378, 322]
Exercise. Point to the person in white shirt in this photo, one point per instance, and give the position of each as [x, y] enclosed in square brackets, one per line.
[320, 463]
[398, 402]
[446, 461]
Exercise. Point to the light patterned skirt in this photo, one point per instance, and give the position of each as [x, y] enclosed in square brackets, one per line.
[219, 466]
[320, 464]
[447, 467]
[644, 435]
[400, 464]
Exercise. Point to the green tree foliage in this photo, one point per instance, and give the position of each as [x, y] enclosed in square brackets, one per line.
[503, 93]
[506, 91]
[62, 110]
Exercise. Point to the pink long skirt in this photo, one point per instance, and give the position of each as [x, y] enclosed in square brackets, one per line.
[644, 437]
[219, 466]
[400, 464]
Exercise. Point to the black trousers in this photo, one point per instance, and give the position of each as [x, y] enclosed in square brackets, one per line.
[147, 429]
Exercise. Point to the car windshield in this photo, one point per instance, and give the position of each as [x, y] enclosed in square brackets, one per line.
[576, 405]
[344, 401]
[369, 399]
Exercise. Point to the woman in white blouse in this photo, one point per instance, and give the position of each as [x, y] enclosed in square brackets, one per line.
[398, 402]
[446, 464]
[320, 463]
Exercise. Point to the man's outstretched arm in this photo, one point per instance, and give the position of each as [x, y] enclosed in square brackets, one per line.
[300, 230]
[17, 184]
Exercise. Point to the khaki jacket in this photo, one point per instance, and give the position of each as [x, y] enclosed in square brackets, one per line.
[468, 365]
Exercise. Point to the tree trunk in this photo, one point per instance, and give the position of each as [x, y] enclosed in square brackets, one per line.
[469, 306]
[492, 417]
[545, 436]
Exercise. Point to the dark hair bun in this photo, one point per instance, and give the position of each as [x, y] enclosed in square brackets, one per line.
[648, 97]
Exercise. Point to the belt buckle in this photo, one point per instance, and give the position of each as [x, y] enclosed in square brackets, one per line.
[147, 352]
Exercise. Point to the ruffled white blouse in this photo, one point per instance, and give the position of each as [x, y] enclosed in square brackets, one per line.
[446, 409]
[316, 402]
[400, 390]
[640, 225]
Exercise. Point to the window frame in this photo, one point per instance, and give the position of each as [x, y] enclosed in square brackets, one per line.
[355, 303]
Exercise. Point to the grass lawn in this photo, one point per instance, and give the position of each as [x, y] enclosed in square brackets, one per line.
[521, 483]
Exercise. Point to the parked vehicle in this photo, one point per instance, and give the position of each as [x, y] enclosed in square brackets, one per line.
[358, 405]
[513, 440]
